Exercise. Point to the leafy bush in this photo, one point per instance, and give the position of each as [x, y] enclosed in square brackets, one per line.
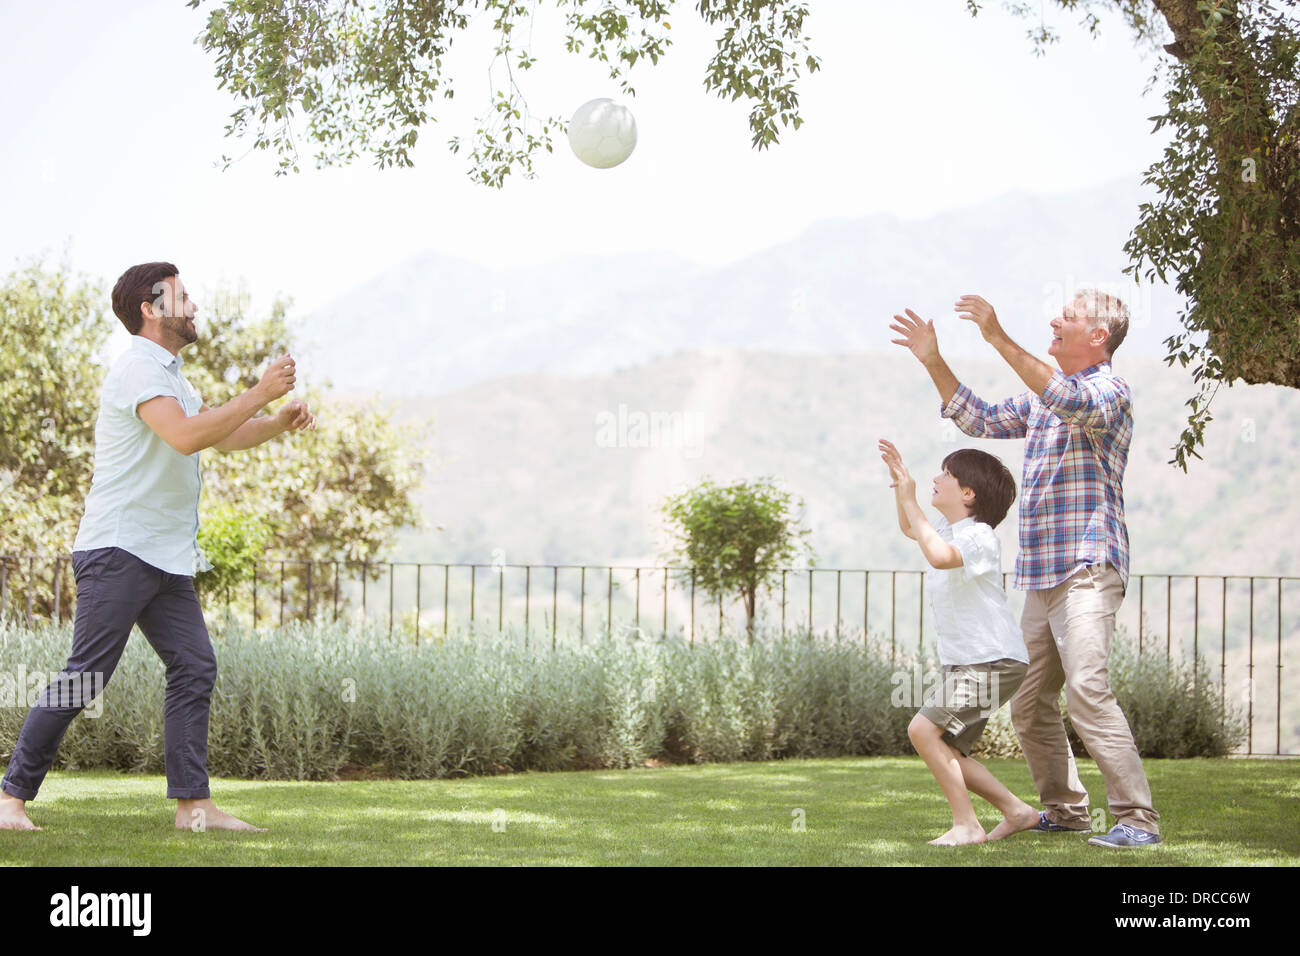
[1173, 707]
[319, 702]
[999, 738]
[234, 542]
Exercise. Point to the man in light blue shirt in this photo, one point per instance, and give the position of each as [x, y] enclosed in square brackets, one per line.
[136, 551]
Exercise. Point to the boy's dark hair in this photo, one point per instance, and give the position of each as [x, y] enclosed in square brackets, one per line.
[137, 286]
[985, 475]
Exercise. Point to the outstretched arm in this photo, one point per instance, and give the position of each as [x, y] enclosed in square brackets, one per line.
[294, 416]
[937, 551]
[1033, 371]
[974, 417]
[214, 426]
[920, 339]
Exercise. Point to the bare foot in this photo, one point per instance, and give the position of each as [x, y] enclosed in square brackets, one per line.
[201, 815]
[960, 836]
[13, 814]
[1026, 818]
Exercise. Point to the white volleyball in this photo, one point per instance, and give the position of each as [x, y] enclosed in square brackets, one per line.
[602, 133]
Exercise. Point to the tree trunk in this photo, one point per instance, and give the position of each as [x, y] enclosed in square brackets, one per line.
[749, 594]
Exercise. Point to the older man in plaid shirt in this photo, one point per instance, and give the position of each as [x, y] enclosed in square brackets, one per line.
[1073, 561]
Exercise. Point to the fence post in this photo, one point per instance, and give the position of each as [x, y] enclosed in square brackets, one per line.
[893, 607]
[1196, 626]
[418, 568]
[783, 573]
[837, 604]
[555, 596]
[582, 607]
[810, 614]
[664, 632]
[1141, 600]
[920, 618]
[1223, 644]
[866, 606]
[1250, 676]
[1278, 711]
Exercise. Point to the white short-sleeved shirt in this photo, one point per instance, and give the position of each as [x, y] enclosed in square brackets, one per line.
[144, 497]
[970, 609]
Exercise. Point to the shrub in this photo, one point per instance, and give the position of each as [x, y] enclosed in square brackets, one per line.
[1173, 707]
[311, 702]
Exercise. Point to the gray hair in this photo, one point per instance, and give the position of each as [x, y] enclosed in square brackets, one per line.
[1108, 312]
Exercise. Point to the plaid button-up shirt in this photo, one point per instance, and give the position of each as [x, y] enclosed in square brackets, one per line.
[1071, 493]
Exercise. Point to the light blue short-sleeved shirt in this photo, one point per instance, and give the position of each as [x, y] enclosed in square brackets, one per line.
[144, 497]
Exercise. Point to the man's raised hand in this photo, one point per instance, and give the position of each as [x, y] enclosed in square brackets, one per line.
[278, 379]
[295, 416]
[975, 309]
[918, 336]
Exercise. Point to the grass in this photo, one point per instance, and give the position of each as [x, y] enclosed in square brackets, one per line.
[872, 811]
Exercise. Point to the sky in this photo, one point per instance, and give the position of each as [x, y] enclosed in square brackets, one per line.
[918, 109]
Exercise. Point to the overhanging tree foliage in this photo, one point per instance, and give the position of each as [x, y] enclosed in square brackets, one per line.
[366, 76]
[1225, 231]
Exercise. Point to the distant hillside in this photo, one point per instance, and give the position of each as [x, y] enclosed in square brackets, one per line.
[434, 324]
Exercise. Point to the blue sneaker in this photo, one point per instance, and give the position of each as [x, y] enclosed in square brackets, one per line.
[1121, 834]
[1045, 825]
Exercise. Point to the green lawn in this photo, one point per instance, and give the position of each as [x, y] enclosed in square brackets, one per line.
[856, 811]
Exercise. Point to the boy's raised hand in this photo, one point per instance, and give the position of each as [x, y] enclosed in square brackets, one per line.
[918, 335]
[903, 480]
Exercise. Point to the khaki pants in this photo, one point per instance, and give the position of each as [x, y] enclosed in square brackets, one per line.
[1068, 631]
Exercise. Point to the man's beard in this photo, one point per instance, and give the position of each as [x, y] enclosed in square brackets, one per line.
[179, 326]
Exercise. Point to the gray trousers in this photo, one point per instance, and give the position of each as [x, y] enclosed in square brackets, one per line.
[116, 591]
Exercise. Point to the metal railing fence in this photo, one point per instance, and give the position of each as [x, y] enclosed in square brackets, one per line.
[1242, 626]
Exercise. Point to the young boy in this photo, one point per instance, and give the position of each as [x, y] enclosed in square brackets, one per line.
[980, 645]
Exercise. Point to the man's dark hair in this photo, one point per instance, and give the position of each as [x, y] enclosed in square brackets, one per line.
[985, 475]
[136, 286]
